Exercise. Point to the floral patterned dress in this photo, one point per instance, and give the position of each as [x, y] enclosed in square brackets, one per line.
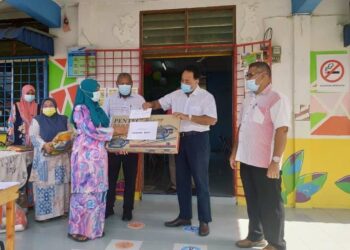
[89, 177]
[50, 176]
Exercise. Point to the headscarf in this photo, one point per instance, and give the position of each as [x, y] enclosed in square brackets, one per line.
[50, 126]
[83, 97]
[27, 110]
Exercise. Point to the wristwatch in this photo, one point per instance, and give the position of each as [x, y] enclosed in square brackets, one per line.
[276, 159]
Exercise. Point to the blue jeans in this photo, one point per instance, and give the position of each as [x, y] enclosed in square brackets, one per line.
[193, 160]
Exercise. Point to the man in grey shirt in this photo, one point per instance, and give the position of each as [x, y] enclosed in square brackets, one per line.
[120, 104]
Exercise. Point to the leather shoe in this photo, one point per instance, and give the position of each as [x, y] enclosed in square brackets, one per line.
[178, 222]
[203, 229]
[171, 190]
[246, 243]
[127, 215]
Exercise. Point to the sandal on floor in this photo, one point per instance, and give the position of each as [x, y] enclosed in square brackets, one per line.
[78, 237]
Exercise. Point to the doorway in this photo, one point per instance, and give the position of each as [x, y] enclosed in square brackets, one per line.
[162, 76]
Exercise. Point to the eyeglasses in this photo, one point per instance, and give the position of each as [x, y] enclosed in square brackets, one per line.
[250, 75]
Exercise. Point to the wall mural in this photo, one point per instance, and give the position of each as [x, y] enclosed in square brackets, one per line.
[344, 184]
[305, 186]
[61, 87]
[330, 94]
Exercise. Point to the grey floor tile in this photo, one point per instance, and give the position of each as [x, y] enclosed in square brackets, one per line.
[306, 229]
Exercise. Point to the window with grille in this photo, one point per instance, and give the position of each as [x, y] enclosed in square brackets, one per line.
[14, 73]
[188, 26]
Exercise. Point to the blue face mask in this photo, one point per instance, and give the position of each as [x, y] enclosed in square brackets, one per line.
[29, 98]
[251, 85]
[124, 89]
[186, 88]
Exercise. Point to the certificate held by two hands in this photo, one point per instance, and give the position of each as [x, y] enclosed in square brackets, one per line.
[140, 130]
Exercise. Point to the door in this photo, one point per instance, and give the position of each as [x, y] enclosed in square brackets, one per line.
[244, 54]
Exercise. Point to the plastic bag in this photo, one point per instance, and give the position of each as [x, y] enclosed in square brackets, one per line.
[20, 221]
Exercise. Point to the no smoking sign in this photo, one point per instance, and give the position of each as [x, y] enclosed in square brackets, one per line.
[332, 71]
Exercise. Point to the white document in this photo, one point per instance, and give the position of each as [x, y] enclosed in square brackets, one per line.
[140, 113]
[6, 185]
[142, 131]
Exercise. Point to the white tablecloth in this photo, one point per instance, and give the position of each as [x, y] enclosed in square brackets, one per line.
[13, 166]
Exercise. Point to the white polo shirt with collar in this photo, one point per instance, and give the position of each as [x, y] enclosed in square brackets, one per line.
[199, 102]
[115, 105]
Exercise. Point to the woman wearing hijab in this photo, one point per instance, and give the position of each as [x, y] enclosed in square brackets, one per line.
[50, 174]
[89, 177]
[21, 117]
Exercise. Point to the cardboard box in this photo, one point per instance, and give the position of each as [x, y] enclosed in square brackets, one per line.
[167, 141]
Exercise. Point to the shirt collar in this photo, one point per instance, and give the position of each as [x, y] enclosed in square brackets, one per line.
[196, 91]
[121, 97]
[266, 90]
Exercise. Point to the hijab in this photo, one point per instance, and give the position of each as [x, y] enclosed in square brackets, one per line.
[27, 110]
[83, 97]
[50, 126]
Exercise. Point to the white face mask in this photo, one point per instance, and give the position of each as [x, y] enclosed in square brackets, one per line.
[251, 85]
[29, 98]
[96, 96]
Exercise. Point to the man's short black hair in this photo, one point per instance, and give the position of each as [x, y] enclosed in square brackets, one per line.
[194, 69]
[263, 66]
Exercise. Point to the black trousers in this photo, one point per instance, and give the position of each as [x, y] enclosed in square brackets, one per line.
[193, 160]
[264, 205]
[129, 163]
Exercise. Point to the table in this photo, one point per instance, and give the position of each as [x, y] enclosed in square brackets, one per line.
[8, 196]
[13, 166]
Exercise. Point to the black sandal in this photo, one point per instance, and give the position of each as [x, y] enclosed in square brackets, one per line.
[78, 237]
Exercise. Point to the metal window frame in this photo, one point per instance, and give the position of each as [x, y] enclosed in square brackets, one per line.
[186, 12]
[38, 83]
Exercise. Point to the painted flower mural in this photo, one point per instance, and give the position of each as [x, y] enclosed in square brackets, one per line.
[309, 184]
[304, 186]
[344, 184]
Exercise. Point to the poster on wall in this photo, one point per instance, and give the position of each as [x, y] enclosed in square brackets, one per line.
[78, 65]
[332, 73]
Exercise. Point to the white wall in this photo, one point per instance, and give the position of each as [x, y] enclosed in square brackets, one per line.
[115, 24]
[332, 7]
[65, 40]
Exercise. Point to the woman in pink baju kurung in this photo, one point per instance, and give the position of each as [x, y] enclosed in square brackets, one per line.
[89, 177]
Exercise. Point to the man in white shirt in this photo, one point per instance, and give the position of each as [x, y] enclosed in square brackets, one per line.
[120, 104]
[262, 137]
[196, 108]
